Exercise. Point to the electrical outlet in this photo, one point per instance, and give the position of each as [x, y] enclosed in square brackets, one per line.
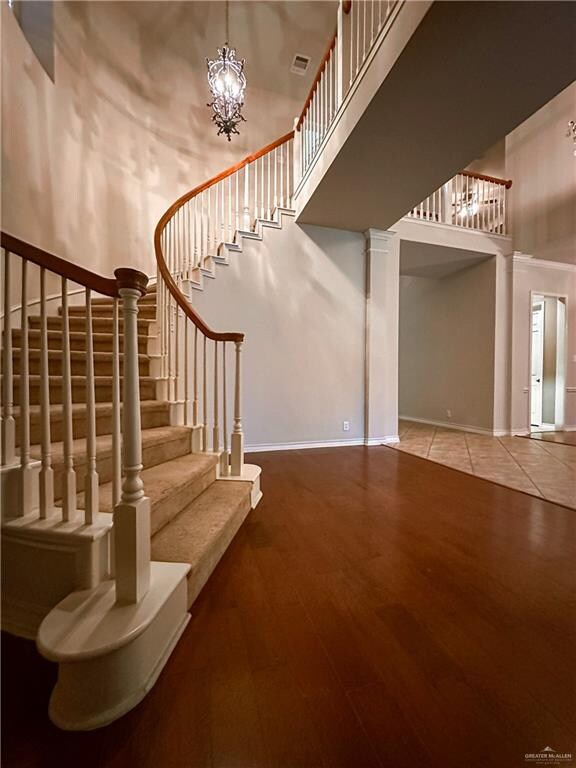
[449, 413]
[346, 426]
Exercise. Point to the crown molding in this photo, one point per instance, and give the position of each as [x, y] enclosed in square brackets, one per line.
[529, 261]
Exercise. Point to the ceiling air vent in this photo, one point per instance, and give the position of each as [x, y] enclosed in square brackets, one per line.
[300, 64]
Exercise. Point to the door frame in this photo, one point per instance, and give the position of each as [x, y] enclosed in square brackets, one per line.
[545, 295]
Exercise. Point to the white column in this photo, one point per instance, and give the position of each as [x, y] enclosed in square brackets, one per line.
[132, 514]
[381, 356]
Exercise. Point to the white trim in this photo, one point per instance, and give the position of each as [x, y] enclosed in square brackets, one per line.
[386, 440]
[451, 227]
[458, 427]
[261, 447]
[530, 261]
[303, 446]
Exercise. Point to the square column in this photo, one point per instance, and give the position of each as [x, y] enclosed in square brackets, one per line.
[381, 359]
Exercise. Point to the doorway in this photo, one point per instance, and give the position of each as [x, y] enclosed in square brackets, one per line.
[547, 362]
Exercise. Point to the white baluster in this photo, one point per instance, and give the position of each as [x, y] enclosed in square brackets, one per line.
[186, 364]
[246, 224]
[195, 377]
[230, 218]
[237, 199]
[275, 178]
[262, 192]
[504, 214]
[203, 253]
[176, 352]
[281, 175]
[289, 170]
[91, 477]
[222, 211]
[216, 429]
[195, 231]
[26, 475]
[187, 246]
[255, 192]
[204, 399]
[268, 190]
[237, 443]
[8, 423]
[69, 509]
[116, 433]
[208, 223]
[46, 471]
[224, 459]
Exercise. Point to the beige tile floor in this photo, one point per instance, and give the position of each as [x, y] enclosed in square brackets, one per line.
[541, 468]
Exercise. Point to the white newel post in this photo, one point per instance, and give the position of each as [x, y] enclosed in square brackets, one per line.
[381, 360]
[237, 441]
[132, 514]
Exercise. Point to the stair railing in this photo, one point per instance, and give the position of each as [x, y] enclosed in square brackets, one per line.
[469, 200]
[361, 26]
[191, 237]
[55, 362]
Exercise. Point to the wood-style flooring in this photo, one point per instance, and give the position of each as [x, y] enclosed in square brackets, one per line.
[375, 610]
[565, 438]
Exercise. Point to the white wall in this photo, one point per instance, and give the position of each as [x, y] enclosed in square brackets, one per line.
[92, 160]
[541, 164]
[447, 347]
[299, 297]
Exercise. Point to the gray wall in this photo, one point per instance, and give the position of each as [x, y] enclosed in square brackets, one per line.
[299, 297]
[447, 347]
[541, 164]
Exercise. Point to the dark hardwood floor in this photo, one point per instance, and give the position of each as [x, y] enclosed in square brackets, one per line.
[374, 610]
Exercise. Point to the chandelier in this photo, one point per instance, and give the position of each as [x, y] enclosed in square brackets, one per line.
[227, 84]
[571, 133]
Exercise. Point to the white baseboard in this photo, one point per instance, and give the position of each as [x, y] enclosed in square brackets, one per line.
[386, 440]
[261, 447]
[458, 427]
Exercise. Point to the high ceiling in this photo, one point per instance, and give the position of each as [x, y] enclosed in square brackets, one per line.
[266, 33]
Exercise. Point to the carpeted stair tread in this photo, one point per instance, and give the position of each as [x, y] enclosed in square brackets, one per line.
[201, 533]
[153, 413]
[170, 486]
[159, 444]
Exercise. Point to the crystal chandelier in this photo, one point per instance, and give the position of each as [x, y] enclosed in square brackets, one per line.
[571, 133]
[227, 84]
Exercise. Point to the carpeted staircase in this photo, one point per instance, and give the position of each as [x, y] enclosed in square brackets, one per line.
[194, 515]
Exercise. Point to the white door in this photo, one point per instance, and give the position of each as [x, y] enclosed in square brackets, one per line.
[537, 362]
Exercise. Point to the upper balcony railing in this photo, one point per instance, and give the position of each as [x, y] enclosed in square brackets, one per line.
[469, 200]
[361, 26]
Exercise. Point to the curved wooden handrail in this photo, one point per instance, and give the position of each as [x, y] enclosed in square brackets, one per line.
[73, 272]
[494, 179]
[165, 272]
[324, 60]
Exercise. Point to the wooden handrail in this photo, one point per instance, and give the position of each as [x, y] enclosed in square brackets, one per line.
[316, 80]
[165, 272]
[494, 179]
[73, 272]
